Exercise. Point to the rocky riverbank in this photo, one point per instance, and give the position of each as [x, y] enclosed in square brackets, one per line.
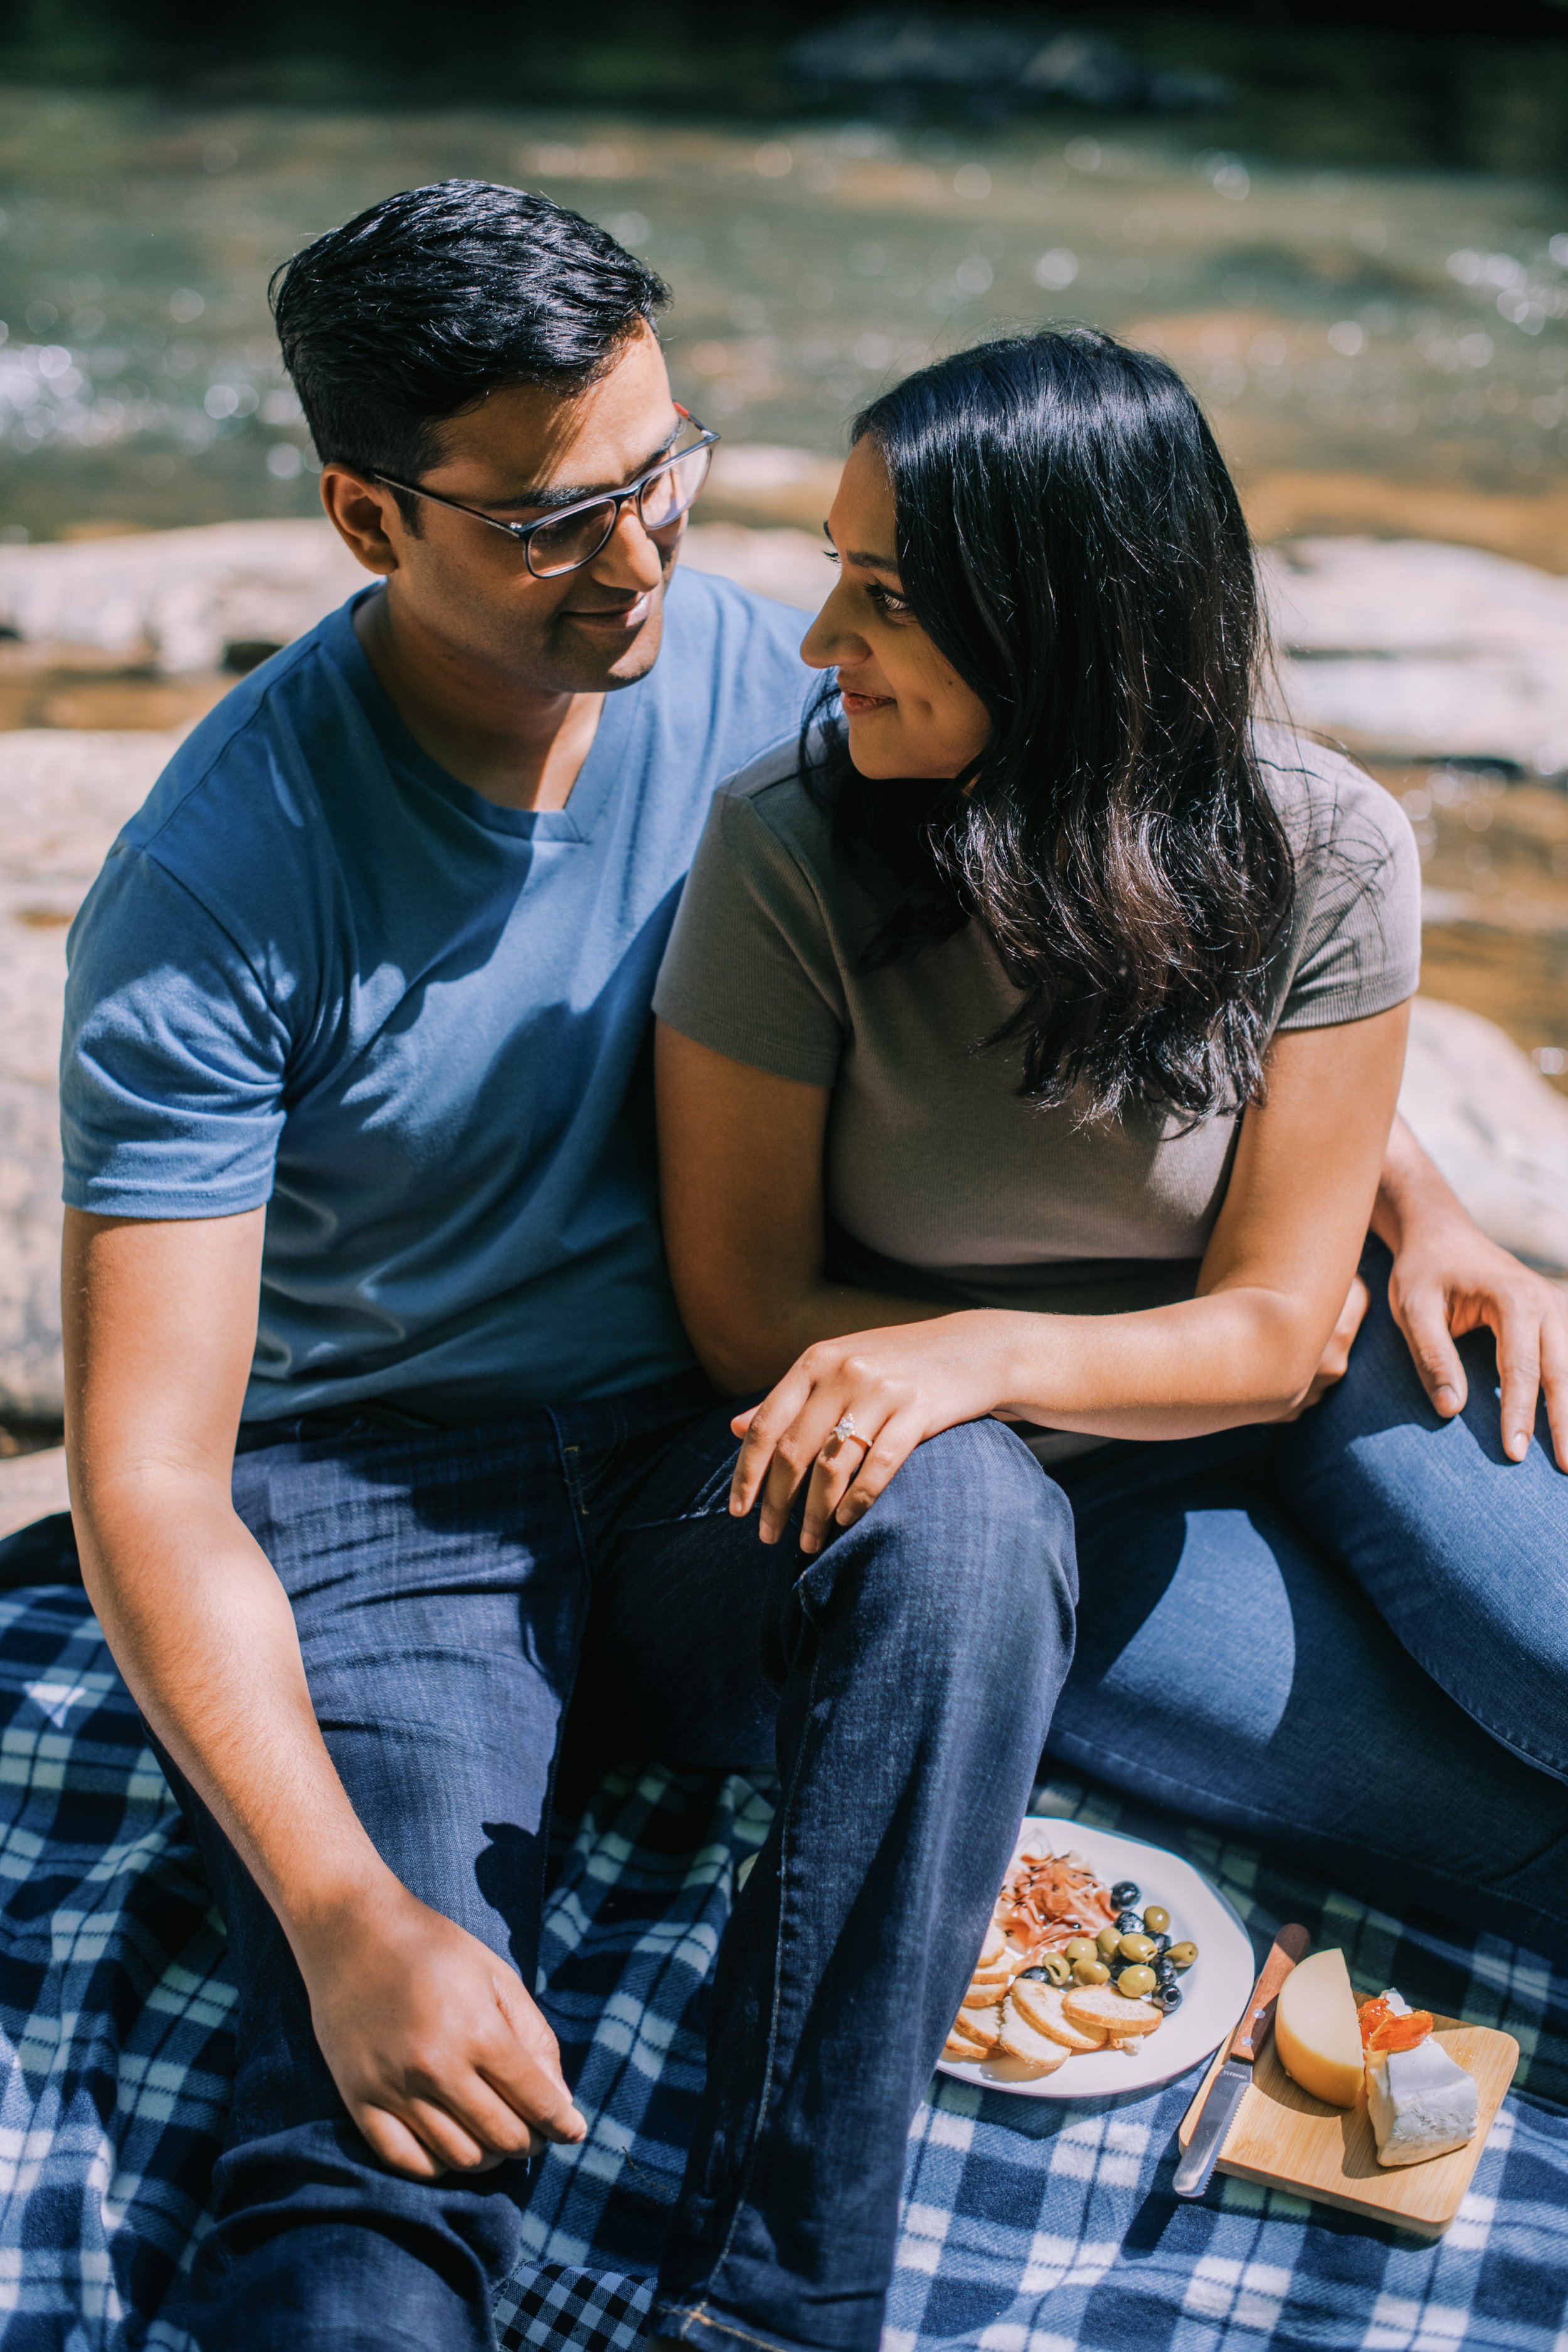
[1414, 653]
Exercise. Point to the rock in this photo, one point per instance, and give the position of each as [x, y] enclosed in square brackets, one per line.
[31, 1487]
[762, 482]
[788, 564]
[1496, 1130]
[63, 798]
[1407, 649]
[179, 599]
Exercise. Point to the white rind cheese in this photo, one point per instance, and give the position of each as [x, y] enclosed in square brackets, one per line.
[1421, 2103]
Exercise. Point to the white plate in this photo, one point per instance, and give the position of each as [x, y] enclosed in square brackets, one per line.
[1214, 1990]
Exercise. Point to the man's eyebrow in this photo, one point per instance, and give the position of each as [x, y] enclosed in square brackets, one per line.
[567, 494]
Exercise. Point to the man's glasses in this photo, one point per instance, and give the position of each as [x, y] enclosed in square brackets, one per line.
[565, 542]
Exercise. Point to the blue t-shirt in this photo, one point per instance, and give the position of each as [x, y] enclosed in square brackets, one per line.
[318, 971]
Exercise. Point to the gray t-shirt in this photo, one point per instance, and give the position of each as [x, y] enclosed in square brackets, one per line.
[942, 1181]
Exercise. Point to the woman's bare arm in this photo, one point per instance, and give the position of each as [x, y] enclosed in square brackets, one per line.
[741, 1161]
[417, 2019]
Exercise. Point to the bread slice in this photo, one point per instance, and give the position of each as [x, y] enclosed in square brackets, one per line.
[959, 2045]
[1102, 2006]
[1039, 2004]
[986, 1996]
[982, 2025]
[1030, 2048]
[993, 1949]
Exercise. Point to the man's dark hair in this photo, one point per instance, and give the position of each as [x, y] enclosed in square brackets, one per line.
[415, 309]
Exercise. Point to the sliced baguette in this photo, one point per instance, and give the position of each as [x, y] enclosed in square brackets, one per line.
[982, 2025]
[959, 2045]
[1039, 2004]
[1117, 2018]
[993, 1949]
[986, 1996]
[1022, 2042]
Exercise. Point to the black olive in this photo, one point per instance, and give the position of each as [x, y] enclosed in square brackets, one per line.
[1164, 1972]
[1166, 1997]
[1038, 1974]
[1128, 1922]
[1161, 1946]
[1122, 1893]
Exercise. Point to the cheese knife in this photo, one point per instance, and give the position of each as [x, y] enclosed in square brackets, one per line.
[1196, 2166]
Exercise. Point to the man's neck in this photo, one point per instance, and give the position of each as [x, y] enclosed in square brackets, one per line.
[521, 747]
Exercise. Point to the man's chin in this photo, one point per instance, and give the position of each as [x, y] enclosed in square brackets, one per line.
[603, 658]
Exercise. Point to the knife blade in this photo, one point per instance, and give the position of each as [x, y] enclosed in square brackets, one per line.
[1195, 2169]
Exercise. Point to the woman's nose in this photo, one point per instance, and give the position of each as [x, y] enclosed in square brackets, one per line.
[829, 643]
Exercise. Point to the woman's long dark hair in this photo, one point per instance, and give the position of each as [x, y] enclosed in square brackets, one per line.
[1068, 537]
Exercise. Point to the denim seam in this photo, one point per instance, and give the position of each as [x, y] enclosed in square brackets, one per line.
[705, 2318]
[784, 1811]
[1186, 1790]
[1519, 1747]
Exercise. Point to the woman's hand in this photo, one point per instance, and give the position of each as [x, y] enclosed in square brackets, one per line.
[898, 1387]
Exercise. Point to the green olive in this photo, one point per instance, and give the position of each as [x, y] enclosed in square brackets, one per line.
[1182, 1956]
[1107, 1943]
[1092, 1971]
[1137, 1948]
[1136, 1983]
[1082, 1947]
[1058, 1967]
[1157, 1919]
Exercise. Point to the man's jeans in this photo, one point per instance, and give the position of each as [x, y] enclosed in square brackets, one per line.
[1231, 1662]
[441, 1583]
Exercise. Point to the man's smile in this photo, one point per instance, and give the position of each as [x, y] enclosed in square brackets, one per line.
[617, 619]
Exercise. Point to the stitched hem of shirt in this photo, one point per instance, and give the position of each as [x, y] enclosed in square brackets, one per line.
[679, 2319]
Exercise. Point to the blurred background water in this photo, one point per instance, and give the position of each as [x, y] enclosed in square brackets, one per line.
[1407, 323]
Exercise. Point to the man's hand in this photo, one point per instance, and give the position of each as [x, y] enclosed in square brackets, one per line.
[443, 2060]
[1448, 1279]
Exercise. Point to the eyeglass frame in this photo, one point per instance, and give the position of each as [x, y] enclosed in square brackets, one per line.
[521, 533]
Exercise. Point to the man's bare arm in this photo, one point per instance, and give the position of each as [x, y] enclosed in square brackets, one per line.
[440, 2054]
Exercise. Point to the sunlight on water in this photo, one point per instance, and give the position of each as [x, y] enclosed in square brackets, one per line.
[1408, 325]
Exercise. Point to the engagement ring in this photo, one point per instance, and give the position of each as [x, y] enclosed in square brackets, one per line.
[845, 1425]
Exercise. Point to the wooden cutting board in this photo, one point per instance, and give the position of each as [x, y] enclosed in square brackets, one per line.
[1287, 2139]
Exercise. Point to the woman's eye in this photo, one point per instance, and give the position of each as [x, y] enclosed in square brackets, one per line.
[886, 604]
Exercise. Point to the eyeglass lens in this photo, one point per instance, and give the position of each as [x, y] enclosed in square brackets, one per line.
[577, 538]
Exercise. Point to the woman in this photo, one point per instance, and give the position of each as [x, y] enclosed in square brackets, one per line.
[1029, 1041]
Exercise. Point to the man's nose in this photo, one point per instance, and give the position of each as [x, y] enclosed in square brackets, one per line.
[629, 558]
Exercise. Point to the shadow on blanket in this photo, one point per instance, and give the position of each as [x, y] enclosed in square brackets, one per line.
[1028, 2228]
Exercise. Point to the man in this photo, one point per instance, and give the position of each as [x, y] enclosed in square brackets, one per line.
[376, 1385]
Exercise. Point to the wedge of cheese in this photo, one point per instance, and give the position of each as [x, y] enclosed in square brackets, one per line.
[1317, 2031]
[1421, 2102]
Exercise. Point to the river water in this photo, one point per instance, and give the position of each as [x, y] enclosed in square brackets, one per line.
[1410, 325]
[1403, 334]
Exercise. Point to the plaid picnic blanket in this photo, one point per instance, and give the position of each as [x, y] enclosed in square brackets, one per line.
[1027, 2227]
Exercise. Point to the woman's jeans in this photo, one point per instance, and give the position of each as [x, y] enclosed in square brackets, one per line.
[1252, 1612]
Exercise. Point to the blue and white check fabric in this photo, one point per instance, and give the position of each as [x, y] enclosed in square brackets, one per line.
[1027, 2226]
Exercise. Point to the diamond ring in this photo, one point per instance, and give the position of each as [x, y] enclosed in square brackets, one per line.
[845, 1425]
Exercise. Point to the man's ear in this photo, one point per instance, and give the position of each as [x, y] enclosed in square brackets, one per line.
[365, 515]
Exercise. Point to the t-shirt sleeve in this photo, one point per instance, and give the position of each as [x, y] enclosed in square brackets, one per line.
[1361, 939]
[173, 1059]
[750, 970]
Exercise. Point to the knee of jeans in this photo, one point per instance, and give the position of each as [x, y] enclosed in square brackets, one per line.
[972, 1526]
